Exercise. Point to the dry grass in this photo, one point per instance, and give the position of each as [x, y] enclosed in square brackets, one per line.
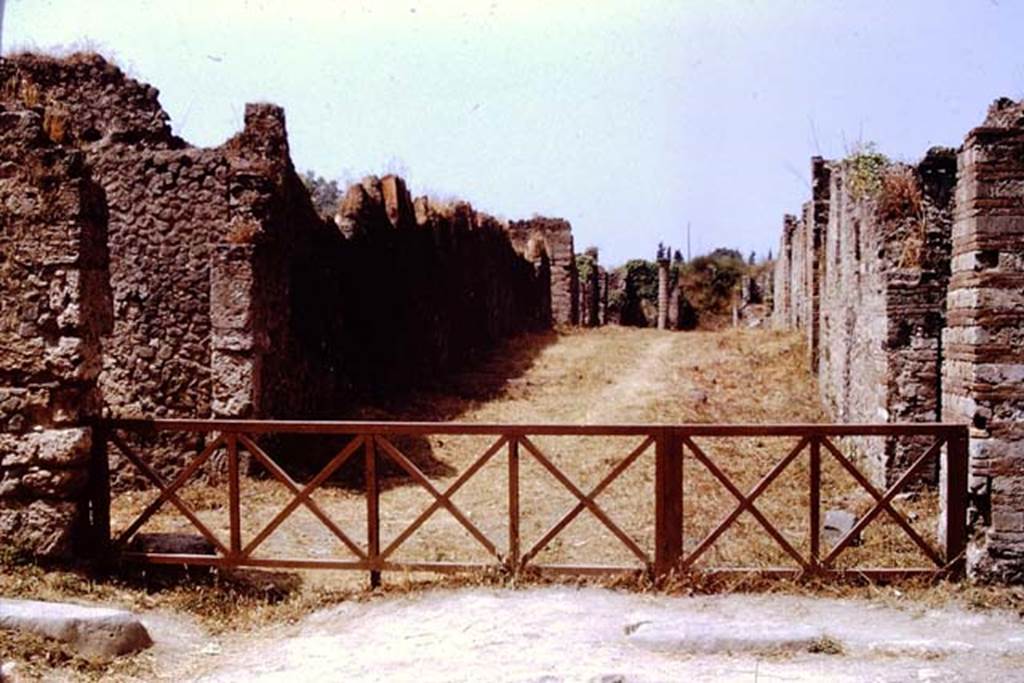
[610, 375]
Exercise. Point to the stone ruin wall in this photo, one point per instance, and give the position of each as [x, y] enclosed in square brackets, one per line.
[549, 241]
[55, 306]
[921, 316]
[983, 343]
[226, 295]
[882, 285]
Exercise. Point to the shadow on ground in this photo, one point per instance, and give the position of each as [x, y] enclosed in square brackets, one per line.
[438, 400]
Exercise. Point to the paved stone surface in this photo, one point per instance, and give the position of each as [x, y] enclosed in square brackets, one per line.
[566, 634]
[93, 631]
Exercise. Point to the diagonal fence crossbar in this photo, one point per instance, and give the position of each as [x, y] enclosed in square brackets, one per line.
[672, 445]
[745, 503]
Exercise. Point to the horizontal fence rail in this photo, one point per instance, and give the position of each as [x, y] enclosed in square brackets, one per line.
[670, 445]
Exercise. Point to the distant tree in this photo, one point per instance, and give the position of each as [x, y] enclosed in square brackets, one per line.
[709, 281]
[769, 254]
[661, 251]
[677, 257]
[723, 253]
[325, 194]
[752, 259]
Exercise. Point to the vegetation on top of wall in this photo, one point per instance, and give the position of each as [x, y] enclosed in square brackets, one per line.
[899, 194]
[865, 167]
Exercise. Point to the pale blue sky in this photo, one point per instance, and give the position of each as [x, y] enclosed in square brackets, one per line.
[629, 118]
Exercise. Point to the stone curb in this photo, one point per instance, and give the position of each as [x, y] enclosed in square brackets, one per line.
[97, 632]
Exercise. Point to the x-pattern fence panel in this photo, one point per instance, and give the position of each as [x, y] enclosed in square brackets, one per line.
[374, 442]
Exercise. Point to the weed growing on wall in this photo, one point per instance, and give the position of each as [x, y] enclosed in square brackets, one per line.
[899, 194]
[900, 201]
[865, 167]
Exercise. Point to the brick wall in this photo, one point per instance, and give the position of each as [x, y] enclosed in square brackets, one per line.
[920, 300]
[983, 372]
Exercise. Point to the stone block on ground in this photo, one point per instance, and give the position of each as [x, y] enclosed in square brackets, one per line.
[93, 631]
[172, 544]
[837, 524]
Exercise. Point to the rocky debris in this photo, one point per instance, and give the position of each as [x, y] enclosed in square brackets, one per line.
[97, 632]
[9, 673]
[836, 524]
[266, 585]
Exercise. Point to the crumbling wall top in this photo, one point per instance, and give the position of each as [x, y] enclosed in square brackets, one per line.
[88, 100]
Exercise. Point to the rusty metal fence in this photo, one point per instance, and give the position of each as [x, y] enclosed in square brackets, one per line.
[671, 445]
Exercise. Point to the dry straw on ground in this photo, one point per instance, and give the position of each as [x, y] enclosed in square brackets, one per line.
[612, 375]
[609, 375]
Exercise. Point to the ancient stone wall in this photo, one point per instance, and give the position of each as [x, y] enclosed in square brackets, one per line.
[816, 221]
[782, 284]
[920, 297]
[413, 291]
[553, 238]
[983, 370]
[593, 281]
[54, 304]
[882, 279]
[163, 200]
[231, 297]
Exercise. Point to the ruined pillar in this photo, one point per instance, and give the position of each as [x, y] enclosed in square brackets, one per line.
[237, 342]
[594, 297]
[782, 304]
[553, 236]
[605, 278]
[983, 346]
[54, 304]
[817, 224]
[663, 294]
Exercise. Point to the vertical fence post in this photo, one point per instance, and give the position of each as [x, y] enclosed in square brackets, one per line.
[815, 503]
[513, 505]
[372, 510]
[955, 485]
[234, 504]
[668, 501]
[99, 491]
